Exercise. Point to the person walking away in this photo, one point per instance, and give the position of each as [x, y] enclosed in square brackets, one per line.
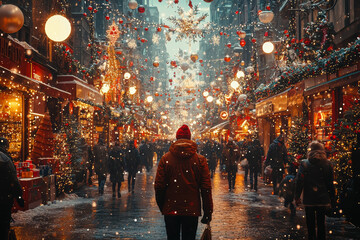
[132, 161]
[277, 158]
[143, 151]
[9, 189]
[101, 164]
[315, 180]
[243, 147]
[254, 155]
[182, 179]
[232, 155]
[212, 159]
[116, 168]
[287, 188]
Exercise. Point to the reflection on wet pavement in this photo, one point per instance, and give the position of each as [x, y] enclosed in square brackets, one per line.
[242, 214]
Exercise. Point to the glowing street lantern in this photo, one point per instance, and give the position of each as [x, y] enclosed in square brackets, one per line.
[57, 28]
[240, 74]
[132, 90]
[235, 85]
[149, 99]
[209, 99]
[268, 47]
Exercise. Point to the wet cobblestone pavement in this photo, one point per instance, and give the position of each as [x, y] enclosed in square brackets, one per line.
[242, 214]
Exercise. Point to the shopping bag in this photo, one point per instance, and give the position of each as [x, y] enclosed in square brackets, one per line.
[12, 235]
[206, 235]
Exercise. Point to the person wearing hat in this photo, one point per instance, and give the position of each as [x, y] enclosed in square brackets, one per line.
[315, 180]
[182, 179]
[9, 188]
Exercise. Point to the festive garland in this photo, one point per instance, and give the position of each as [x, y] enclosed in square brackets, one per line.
[338, 59]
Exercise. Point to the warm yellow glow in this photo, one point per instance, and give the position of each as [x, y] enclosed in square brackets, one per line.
[209, 99]
[205, 93]
[268, 47]
[127, 75]
[149, 99]
[105, 88]
[234, 84]
[57, 28]
[240, 74]
[132, 90]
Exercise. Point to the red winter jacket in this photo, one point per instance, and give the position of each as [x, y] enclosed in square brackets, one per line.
[182, 176]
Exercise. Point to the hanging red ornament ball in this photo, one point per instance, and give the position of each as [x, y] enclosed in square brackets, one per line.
[293, 40]
[85, 14]
[285, 31]
[259, 12]
[307, 41]
[141, 9]
[200, 74]
[242, 43]
[135, 28]
[253, 40]
[237, 12]
[160, 0]
[208, 1]
[146, 29]
[90, 8]
[173, 63]
[89, 45]
[146, 60]
[221, 33]
[156, 94]
[159, 29]
[107, 17]
[228, 45]
[170, 80]
[95, 10]
[266, 34]
[227, 58]
[143, 40]
[201, 61]
[268, 8]
[121, 21]
[131, 64]
[151, 78]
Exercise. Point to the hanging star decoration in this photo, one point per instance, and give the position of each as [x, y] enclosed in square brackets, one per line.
[187, 25]
[155, 38]
[113, 33]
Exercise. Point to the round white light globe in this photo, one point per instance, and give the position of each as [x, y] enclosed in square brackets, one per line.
[205, 93]
[209, 99]
[105, 88]
[268, 47]
[132, 90]
[234, 84]
[240, 74]
[127, 75]
[149, 99]
[58, 28]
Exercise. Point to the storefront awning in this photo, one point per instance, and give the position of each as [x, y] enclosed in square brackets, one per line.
[79, 89]
[24, 81]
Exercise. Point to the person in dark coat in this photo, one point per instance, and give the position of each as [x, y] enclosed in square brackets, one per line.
[315, 180]
[145, 155]
[182, 182]
[116, 168]
[208, 152]
[232, 155]
[101, 164]
[277, 158]
[10, 188]
[132, 161]
[254, 155]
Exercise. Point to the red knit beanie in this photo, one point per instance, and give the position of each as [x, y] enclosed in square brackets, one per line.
[183, 132]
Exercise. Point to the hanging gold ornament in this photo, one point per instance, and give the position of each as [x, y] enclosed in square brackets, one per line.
[11, 18]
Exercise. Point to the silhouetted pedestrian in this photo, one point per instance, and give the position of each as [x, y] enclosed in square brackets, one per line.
[116, 168]
[101, 164]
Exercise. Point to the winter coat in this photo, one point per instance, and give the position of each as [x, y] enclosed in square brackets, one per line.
[182, 177]
[100, 159]
[231, 153]
[209, 153]
[315, 178]
[277, 155]
[145, 153]
[132, 160]
[116, 164]
[254, 154]
[9, 188]
[287, 188]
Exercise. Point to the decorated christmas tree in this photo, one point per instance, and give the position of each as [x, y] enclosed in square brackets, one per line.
[344, 139]
[73, 138]
[63, 159]
[44, 140]
[299, 138]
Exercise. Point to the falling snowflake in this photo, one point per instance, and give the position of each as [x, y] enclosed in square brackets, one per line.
[215, 40]
[132, 44]
[155, 38]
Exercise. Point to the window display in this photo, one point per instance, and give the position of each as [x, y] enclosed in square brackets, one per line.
[11, 121]
[322, 110]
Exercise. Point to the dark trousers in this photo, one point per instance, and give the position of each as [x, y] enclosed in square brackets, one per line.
[114, 186]
[5, 217]
[102, 180]
[246, 168]
[131, 181]
[232, 176]
[253, 178]
[319, 213]
[276, 177]
[187, 225]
